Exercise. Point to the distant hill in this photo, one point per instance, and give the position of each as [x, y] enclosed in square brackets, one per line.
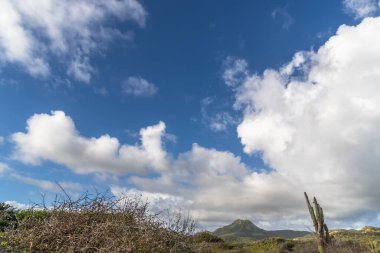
[246, 230]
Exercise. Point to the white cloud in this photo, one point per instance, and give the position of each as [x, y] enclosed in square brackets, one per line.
[1, 140]
[314, 121]
[362, 8]
[17, 205]
[139, 87]
[53, 137]
[32, 33]
[48, 185]
[158, 202]
[318, 129]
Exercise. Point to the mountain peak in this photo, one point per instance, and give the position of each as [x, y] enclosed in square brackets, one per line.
[246, 229]
[242, 222]
[241, 228]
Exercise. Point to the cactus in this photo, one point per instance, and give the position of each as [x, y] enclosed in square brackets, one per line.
[321, 230]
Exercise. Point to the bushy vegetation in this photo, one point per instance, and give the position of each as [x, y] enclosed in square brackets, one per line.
[103, 223]
[98, 223]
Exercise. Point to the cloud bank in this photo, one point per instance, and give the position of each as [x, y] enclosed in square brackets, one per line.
[314, 121]
[32, 33]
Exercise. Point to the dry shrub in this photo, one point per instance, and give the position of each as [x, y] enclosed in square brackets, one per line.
[336, 246]
[102, 223]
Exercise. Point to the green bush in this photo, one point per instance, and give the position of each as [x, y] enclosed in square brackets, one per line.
[206, 236]
[22, 215]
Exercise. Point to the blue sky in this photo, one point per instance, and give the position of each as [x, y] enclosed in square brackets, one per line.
[230, 110]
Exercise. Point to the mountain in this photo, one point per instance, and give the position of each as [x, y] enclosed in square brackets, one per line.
[246, 230]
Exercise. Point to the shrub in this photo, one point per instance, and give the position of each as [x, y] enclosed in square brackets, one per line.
[206, 236]
[100, 223]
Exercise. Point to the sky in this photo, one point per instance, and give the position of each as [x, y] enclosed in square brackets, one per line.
[223, 109]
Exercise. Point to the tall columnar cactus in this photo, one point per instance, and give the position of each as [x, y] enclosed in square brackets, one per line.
[321, 230]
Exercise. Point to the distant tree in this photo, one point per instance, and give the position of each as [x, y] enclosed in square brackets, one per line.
[7, 216]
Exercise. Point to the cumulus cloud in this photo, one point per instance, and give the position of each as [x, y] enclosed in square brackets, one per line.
[362, 8]
[216, 186]
[317, 127]
[54, 137]
[33, 33]
[139, 87]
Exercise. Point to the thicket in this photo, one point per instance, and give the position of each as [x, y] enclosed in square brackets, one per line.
[97, 223]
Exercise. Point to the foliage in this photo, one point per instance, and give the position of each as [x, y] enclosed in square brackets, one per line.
[7, 217]
[206, 236]
[22, 215]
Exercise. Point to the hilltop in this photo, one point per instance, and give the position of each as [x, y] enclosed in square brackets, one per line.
[246, 230]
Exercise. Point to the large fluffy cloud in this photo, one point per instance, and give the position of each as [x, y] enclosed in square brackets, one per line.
[31, 32]
[316, 121]
[53, 137]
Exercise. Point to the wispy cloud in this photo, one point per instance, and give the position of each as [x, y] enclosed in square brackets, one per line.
[4, 168]
[362, 8]
[139, 87]
[34, 33]
[48, 185]
[101, 91]
[217, 122]
[282, 15]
